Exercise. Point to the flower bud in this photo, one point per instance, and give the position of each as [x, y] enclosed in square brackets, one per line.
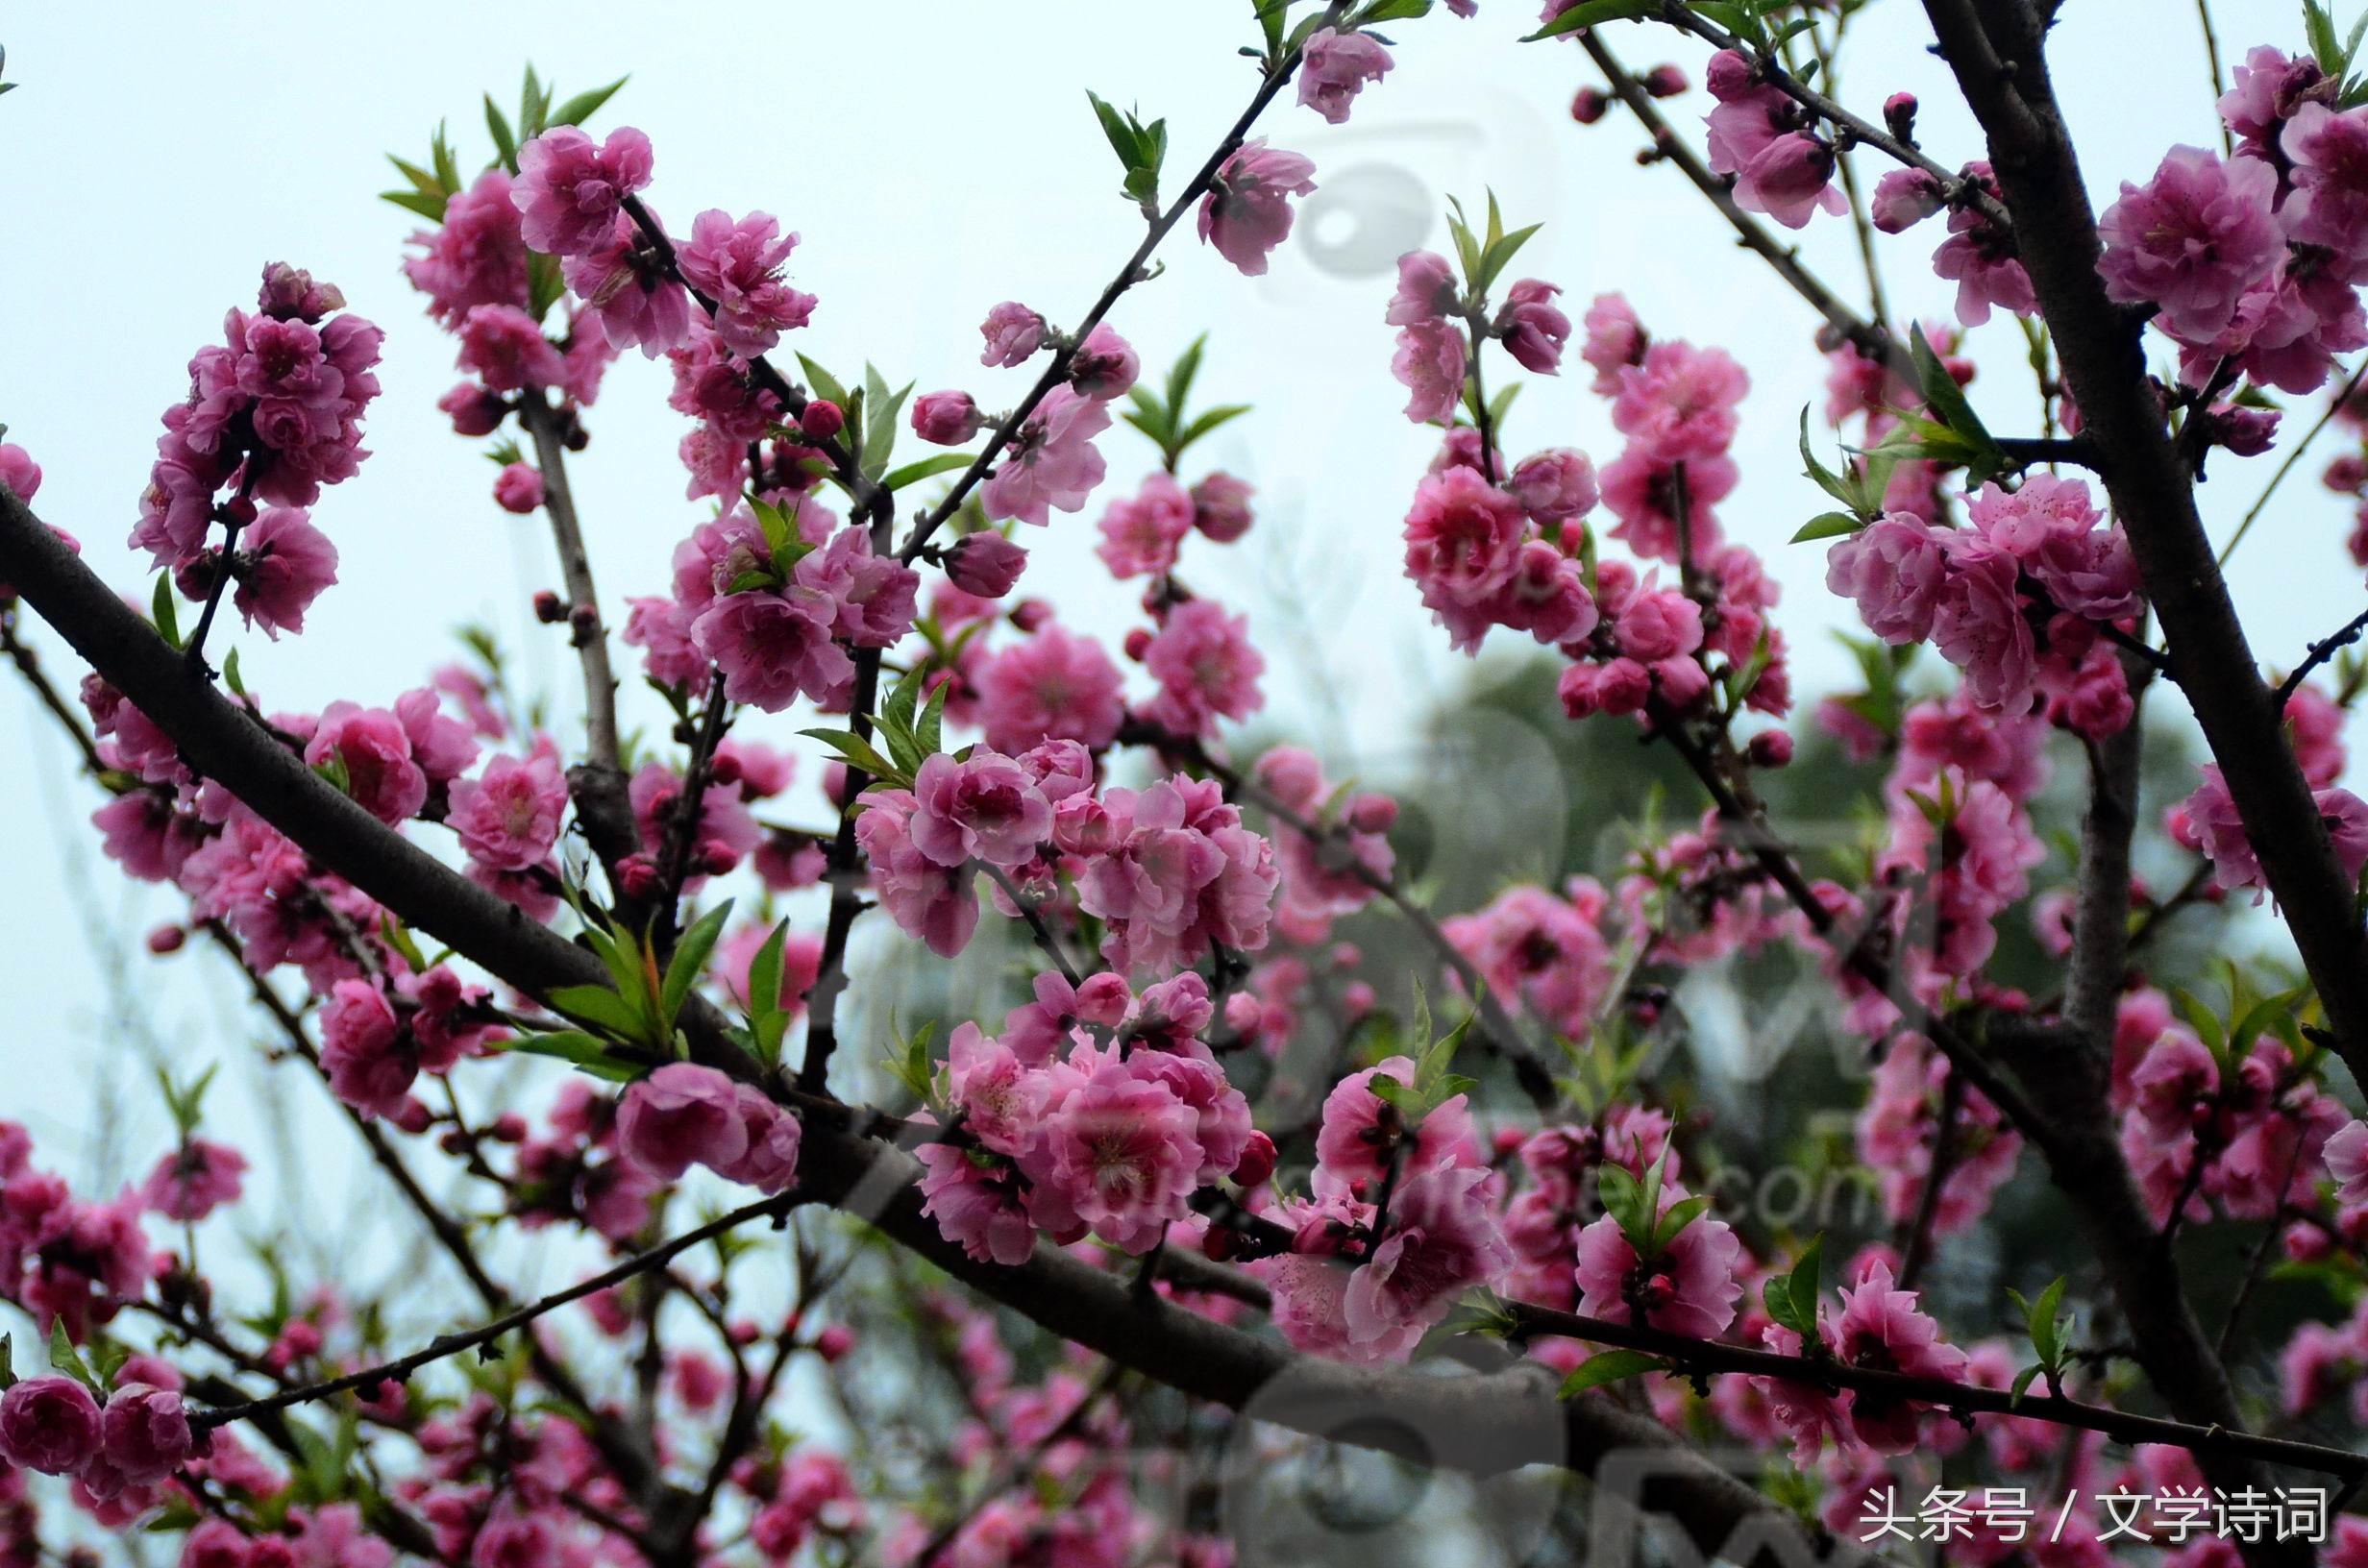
[518, 488]
[1589, 106]
[1665, 81]
[1769, 749]
[1256, 1166]
[946, 418]
[985, 564]
[1221, 507]
[821, 420]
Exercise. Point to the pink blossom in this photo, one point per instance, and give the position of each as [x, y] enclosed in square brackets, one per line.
[569, 191]
[1555, 487]
[145, 1433]
[1013, 333]
[477, 255]
[1780, 170]
[1532, 328]
[1361, 1134]
[948, 419]
[518, 488]
[1678, 401]
[1334, 67]
[936, 904]
[1879, 1326]
[773, 647]
[1980, 257]
[1247, 210]
[1893, 568]
[1652, 626]
[1221, 507]
[507, 817]
[770, 1162]
[1615, 339]
[1442, 1241]
[194, 1180]
[738, 265]
[1463, 537]
[1104, 365]
[1431, 364]
[984, 808]
[282, 565]
[1055, 685]
[1141, 533]
[49, 1424]
[1117, 1150]
[634, 300]
[2047, 524]
[1206, 669]
[1051, 461]
[985, 564]
[2329, 203]
[1903, 199]
[2192, 240]
[506, 349]
[19, 472]
[1426, 290]
[374, 751]
[1689, 1288]
[2347, 1162]
[1977, 624]
[974, 1198]
[1542, 949]
[2265, 91]
[680, 1115]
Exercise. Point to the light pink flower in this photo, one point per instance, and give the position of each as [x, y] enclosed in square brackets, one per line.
[1431, 363]
[935, 904]
[1355, 1140]
[1893, 568]
[2347, 1162]
[775, 646]
[1614, 340]
[1206, 669]
[569, 191]
[505, 348]
[1679, 402]
[1977, 624]
[1689, 1288]
[738, 265]
[770, 1162]
[1221, 507]
[2193, 239]
[1557, 486]
[948, 419]
[1463, 537]
[194, 1180]
[974, 1198]
[1051, 461]
[477, 255]
[284, 564]
[984, 808]
[375, 750]
[680, 1115]
[1055, 685]
[507, 819]
[1334, 67]
[1247, 210]
[1442, 1241]
[1119, 1151]
[1141, 533]
[1013, 333]
[49, 1424]
[1104, 365]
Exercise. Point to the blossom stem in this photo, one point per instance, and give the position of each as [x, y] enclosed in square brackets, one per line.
[1277, 76]
[545, 425]
[2260, 502]
[446, 1345]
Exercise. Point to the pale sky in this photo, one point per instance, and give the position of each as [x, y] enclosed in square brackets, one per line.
[936, 158]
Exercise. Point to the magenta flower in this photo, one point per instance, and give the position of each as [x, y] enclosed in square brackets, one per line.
[974, 1198]
[1442, 1240]
[282, 565]
[632, 297]
[1893, 568]
[478, 255]
[49, 1424]
[1679, 402]
[1532, 328]
[1247, 210]
[985, 564]
[1141, 533]
[775, 646]
[984, 808]
[1104, 365]
[1051, 461]
[506, 349]
[194, 1180]
[2347, 1163]
[1013, 333]
[2193, 239]
[935, 904]
[1206, 669]
[1615, 339]
[1431, 363]
[680, 1115]
[1334, 67]
[1981, 260]
[1463, 537]
[1055, 685]
[948, 419]
[1689, 1287]
[568, 192]
[145, 1433]
[1117, 1150]
[1881, 1327]
[518, 488]
[738, 265]
[770, 1162]
[1556, 486]
[507, 817]
[1979, 626]
[374, 749]
[2330, 155]
[1353, 1152]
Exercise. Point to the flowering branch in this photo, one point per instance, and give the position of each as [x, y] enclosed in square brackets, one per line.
[1998, 57]
[446, 1345]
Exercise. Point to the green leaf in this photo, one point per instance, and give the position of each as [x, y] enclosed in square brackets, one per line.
[945, 462]
[430, 207]
[422, 180]
[544, 284]
[1271, 14]
[690, 957]
[767, 1021]
[1805, 1283]
[1947, 399]
[824, 382]
[1672, 1223]
[231, 676]
[879, 431]
[858, 751]
[1608, 1366]
[2022, 1383]
[931, 732]
[1500, 251]
[1622, 1199]
[1392, 10]
[166, 613]
[599, 1005]
[1186, 366]
[1119, 129]
[504, 144]
[586, 104]
[1592, 12]
[1223, 414]
[1827, 525]
[580, 1050]
[66, 1360]
[7, 1363]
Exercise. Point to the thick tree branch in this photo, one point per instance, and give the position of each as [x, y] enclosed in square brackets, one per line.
[1996, 54]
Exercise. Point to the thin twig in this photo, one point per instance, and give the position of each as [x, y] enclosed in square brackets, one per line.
[2320, 652]
[546, 425]
[2293, 455]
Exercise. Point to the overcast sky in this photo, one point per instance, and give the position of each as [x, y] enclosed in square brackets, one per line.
[936, 158]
